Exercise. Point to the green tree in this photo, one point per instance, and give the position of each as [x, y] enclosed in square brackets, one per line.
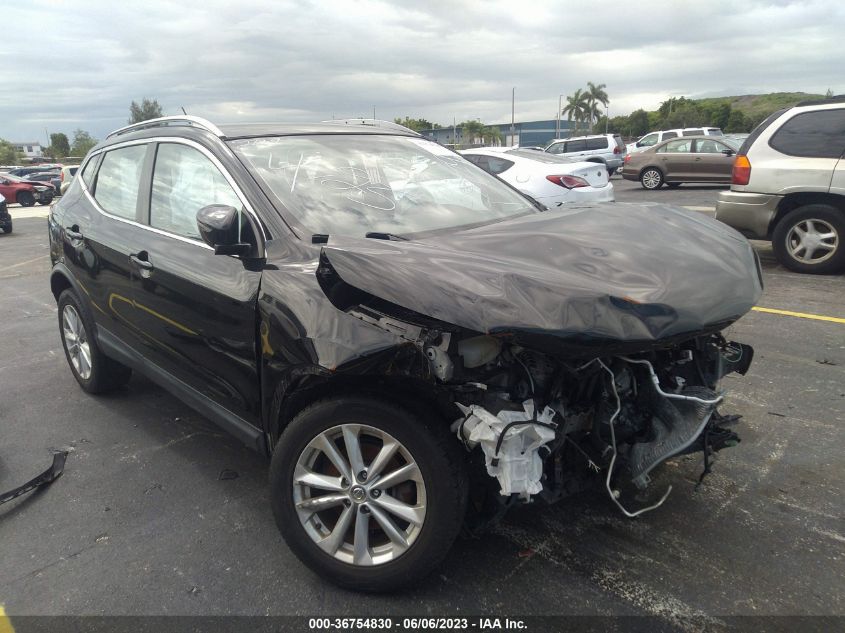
[738, 122]
[417, 124]
[721, 115]
[595, 96]
[8, 154]
[492, 135]
[59, 145]
[82, 143]
[576, 109]
[148, 109]
[472, 131]
[638, 123]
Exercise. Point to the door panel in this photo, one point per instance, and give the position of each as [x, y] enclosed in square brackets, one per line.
[197, 309]
[710, 164]
[676, 159]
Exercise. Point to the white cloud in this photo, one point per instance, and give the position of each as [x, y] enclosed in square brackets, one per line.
[297, 61]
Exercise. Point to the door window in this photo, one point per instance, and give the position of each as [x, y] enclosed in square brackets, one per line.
[647, 141]
[185, 181]
[597, 143]
[680, 146]
[118, 180]
[668, 135]
[709, 147]
[693, 133]
[576, 146]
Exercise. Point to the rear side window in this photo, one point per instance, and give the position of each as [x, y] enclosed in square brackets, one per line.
[757, 131]
[693, 132]
[596, 143]
[667, 135]
[118, 180]
[681, 146]
[819, 134]
[185, 181]
[576, 146]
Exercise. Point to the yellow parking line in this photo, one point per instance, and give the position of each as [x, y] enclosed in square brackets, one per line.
[802, 315]
[5, 622]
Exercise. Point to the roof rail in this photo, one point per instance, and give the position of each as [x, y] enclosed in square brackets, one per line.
[390, 125]
[166, 121]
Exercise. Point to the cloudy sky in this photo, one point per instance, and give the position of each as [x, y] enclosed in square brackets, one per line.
[78, 63]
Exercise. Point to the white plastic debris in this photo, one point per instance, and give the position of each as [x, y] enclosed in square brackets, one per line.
[517, 466]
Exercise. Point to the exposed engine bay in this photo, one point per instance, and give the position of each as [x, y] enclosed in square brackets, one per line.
[547, 427]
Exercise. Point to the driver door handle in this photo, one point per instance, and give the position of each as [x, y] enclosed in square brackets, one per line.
[143, 264]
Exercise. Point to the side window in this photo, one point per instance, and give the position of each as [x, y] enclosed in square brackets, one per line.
[668, 135]
[648, 141]
[576, 146]
[680, 146]
[118, 179]
[819, 134]
[185, 181]
[692, 133]
[708, 147]
[498, 165]
[596, 143]
[88, 172]
[557, 148]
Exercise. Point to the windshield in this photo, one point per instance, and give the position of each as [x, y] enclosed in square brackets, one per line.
[353, 184]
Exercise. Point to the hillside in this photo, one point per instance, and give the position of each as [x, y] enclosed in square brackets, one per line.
[759, 106]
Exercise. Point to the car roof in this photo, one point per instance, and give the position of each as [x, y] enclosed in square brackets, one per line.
[578, 138]
[251, 130]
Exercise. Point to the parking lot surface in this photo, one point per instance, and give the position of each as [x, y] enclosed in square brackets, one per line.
[159, 512]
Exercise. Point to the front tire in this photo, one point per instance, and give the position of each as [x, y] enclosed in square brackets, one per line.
[366, 493]
[651, 178]
[26, 199]
[811, 239]
[94, 371]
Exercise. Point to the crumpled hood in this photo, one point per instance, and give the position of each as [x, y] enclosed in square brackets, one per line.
[596, 274]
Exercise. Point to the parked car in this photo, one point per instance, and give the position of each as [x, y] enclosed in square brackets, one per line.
[688, 159]
[398, 330]
[21, 172]
[68, 173]
[599, 148]
[549, 179]
[653, 138]
[5, 216]
[25, 192]
[789, 186]
[53, 178]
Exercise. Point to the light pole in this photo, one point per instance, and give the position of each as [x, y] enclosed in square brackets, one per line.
[559, 106]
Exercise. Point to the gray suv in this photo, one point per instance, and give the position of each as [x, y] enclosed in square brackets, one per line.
[607, 149]
[788, 186]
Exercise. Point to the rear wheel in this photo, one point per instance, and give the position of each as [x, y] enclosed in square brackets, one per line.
[46, 200]
[810, 239]
[368, 494]
[93, 370]
[651, 178]
[26, 199]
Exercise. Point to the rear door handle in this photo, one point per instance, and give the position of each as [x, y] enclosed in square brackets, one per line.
[143, 264]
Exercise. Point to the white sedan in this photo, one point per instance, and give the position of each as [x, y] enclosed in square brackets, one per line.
[549, 179]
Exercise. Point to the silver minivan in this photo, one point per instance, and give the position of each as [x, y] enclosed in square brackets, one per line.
[608, 149]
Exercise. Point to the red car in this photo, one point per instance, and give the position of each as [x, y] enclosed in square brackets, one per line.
[25, 192]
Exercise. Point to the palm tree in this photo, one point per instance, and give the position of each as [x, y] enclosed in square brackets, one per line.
[595, 95]
[576, 108]
[492, 135]
[471, 130]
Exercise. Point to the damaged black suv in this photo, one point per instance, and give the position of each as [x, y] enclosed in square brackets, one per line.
[415, 343]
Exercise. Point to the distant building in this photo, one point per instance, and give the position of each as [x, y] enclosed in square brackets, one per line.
[526, 133]
[29, 150]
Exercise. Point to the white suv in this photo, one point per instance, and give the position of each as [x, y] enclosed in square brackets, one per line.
[608, 149]
[788, 186]
[653, 138]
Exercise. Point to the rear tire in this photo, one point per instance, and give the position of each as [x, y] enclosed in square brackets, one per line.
[26, 199]
[327, 539]
[811, 239]
[94, 371]
[651, 178]
[47, 201]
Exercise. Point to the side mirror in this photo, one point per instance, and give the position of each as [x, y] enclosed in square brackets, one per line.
[728, 152]
[218, 225]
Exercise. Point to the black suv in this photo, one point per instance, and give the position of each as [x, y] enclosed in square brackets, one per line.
[406, 335]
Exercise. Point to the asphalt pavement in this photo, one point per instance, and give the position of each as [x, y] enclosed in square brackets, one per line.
[159, 512]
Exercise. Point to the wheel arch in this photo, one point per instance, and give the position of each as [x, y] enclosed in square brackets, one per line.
[793, 201]
[292, 397]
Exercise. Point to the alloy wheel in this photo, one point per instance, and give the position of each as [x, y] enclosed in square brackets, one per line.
[812, 241]
[359, 494]
[76, 341]
[651, 179]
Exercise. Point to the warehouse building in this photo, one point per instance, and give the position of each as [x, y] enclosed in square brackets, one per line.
[526, 133]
